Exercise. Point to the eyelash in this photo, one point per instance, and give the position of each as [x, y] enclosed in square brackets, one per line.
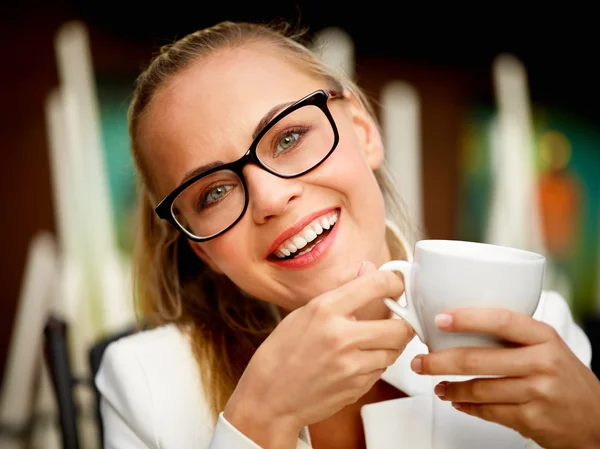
[299, 130]
[200, 204]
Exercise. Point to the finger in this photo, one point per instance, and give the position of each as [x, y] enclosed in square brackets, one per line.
[504, 390]
[383, 334]
[512, 362]
[508, 415]
[504, 323]
[366, 268]
[360, 291]
[371, 360]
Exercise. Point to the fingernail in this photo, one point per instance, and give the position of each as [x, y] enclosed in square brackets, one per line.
[417, 365]
[457, 405]
[440, 389]
[443, 320]
[362, 267]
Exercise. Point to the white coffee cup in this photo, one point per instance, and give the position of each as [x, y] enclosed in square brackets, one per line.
[449, 274]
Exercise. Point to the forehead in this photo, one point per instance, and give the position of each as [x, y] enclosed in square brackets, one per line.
[209, 111]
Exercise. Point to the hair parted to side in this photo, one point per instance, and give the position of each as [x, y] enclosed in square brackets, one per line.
[171, 284]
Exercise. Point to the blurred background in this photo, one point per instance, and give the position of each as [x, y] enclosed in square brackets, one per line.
[490, 117]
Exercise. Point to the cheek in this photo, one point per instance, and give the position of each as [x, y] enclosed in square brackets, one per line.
[349, 158]
[233, 254]
[352, 175]
[221, 250]
[349, 170]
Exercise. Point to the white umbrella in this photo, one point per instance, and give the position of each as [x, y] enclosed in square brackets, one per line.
[107, 275]
[514, 218]
[26, 343]
[401, 127]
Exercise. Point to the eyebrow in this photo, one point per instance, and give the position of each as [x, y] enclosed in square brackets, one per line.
[196, 171]
[264, 121]
[269, 116]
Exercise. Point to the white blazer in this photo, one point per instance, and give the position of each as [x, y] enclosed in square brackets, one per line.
[152, 398]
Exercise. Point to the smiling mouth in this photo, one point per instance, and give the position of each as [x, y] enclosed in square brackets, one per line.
[307, 239]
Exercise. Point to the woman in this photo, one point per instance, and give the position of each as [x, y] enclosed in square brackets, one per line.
[262, 224]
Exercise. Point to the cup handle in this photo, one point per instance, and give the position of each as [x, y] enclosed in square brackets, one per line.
[409, 312]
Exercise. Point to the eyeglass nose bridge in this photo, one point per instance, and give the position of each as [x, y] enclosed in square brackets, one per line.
[251, 157]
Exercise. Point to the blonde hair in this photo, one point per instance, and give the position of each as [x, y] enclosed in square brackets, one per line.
[172, 285]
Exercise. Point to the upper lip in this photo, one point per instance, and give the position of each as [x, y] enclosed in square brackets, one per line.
[296, 228]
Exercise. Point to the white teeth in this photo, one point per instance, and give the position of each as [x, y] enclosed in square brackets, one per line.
[306, 251]
[307, 235]
[299, 242]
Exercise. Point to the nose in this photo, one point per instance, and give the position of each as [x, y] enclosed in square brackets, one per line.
[269, 195]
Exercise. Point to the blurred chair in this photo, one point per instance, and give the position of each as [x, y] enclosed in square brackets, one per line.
[95, 359]
[56, 351]
[57, 357]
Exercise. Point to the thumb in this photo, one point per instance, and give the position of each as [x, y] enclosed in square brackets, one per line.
[366, 268]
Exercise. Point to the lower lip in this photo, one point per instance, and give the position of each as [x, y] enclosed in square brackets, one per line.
[312, 257]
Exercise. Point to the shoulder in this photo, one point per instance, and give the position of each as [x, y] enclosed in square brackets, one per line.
[150, 347]
[151, 380]
[554, 310]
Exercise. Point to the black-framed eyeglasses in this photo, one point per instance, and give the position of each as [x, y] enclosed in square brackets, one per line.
[294, 142]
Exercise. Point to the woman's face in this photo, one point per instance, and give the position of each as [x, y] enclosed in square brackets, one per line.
[208, 113]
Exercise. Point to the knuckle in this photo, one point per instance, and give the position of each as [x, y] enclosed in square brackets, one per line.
[344, 367]
[349, 368]
[352, 393]
[540, 388]
[531, 417]
[334, 336]
[407, 337]
[549, 361]
[360, 384]
[402, 333]
[336, 343]
[391, 357]
[486, 412]
[381, 280]
[552, 334]
[395, 282]
[478, 391]
[470, 363]
[321, 306]
[504, 319]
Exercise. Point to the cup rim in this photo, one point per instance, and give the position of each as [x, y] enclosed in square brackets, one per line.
[525, 256]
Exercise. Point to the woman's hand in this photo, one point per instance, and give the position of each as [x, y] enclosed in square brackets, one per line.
[547, 394]
[319, 359]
